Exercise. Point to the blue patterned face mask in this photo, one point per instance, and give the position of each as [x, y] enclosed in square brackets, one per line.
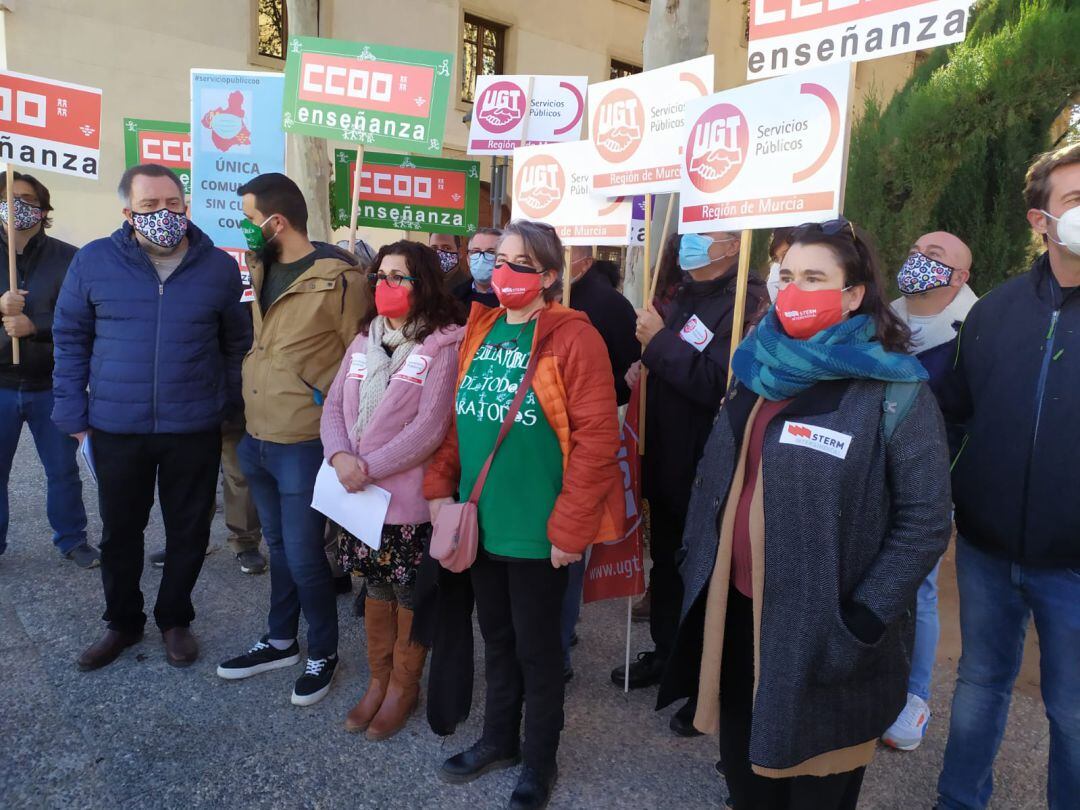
[164, 228]
[921, 274]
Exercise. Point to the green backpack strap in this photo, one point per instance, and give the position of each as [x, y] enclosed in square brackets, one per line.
[899, 397]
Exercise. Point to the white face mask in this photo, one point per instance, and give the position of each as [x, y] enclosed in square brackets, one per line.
[1068, 230]
[773, 282]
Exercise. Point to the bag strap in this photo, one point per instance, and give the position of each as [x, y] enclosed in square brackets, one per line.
[508, 421]
[899, 397]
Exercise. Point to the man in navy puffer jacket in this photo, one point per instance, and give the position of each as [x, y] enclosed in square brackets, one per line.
[149, 335]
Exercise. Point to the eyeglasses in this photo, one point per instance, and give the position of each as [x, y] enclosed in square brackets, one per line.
[487, 254]
[391, 281]
[831, 227]
[512, 343]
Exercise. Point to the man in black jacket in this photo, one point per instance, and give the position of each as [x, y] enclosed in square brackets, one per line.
[1016, 386]
[41, 263]
[687, 361]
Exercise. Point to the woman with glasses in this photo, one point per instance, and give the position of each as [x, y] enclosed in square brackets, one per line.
[554, 488]
[386, 413]
[820, 505]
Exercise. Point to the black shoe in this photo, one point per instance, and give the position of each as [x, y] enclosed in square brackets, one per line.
[263, 657]
[84, 555]
[157, 558]
[343, 584]
[251, 561]
[647, 670]
[533, 791]
[312, 686]
[568, 674]
[474, 762]
[682, 722]
[720, 769]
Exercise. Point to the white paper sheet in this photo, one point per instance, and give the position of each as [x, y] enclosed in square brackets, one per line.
[86, 450]
[362, 513]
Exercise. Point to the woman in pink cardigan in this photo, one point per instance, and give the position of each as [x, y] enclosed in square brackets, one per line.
[387, 412]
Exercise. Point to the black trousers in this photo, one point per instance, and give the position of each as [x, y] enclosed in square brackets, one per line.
[518, 604]
[185, 468]
[748, 790]
[667, 589]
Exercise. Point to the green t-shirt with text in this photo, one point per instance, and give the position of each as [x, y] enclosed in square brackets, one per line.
[526, 476]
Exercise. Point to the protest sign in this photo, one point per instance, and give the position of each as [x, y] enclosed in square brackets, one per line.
[513, 111]
[616, 569]
[635, 126]
[500, 114]
[790, 35]
[372, 95]
[50, 125]
[403, 192]
[167, 143]
[637, 222]
[551, 184]
[766, 155]
[236, 135]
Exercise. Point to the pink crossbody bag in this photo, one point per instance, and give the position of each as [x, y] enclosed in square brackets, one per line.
[455, 537]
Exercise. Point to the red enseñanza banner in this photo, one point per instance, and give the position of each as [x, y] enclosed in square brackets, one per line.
[790, 35]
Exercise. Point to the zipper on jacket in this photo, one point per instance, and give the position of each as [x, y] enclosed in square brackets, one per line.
[157, 345]
[1040, 393]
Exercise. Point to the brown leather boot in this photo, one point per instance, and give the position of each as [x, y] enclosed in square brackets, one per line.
[181, 648]
[107, 649]
[380, 624]
[403, 694]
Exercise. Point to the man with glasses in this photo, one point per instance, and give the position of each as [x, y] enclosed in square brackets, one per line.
[481, 266]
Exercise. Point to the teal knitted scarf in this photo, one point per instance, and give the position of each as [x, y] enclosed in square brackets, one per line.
[777, 367]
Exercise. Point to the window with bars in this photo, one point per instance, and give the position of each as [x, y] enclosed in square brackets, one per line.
[621, 69]
[483, 49]
[271, 28]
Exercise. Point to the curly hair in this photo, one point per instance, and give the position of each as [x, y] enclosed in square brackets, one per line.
[433, 307]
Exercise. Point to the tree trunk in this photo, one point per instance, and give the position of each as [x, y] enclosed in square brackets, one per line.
[307, 160]
[677, 31]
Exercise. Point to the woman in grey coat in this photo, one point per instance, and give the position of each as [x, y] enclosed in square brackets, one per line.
[820, 504]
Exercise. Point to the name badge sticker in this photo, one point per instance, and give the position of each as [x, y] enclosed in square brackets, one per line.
[414, 370]
[357, 366]
[821, 439]
[696, 333]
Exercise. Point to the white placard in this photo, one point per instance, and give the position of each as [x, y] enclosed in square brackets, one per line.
[766, 155]
[551, 184]
[512, 111]
[636, 123]
[362, 514]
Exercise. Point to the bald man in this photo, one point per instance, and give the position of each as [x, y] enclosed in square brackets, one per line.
[935, 303]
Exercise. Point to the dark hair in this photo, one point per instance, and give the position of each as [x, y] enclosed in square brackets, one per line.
[780, 237]
[145, 170]
[433, 307]
[454, 236]
[277, 194]
[856, 254]
[42, 193]
[487, 232]
[543, 243]
[608, 270]
[1037, 182]
[669, 275]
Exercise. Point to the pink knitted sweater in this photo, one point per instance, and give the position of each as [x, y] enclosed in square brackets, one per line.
[408, 425]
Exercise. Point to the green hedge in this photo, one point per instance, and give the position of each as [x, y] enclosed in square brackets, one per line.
[950, 149]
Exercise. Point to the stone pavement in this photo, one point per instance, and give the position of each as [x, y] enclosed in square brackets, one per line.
[142, 734]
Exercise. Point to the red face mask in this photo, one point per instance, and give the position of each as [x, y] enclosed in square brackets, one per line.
[392, 302]
[803, 314]
[513, 288]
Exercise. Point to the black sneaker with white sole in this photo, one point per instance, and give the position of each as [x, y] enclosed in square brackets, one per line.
[312, 686]
[263, 657]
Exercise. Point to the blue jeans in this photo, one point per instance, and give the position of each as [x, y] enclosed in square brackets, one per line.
[571, 606]
[63, 494]
[281, 478]
[996, 599]
[927, 632]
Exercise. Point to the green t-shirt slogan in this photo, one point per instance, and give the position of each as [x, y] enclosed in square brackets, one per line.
[526, 476]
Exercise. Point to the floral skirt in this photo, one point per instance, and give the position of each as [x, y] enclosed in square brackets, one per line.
[397, 559]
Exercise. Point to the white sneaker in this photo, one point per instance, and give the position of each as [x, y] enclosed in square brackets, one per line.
[907, 732]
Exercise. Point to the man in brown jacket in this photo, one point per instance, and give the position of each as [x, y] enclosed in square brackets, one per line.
[307, 307]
